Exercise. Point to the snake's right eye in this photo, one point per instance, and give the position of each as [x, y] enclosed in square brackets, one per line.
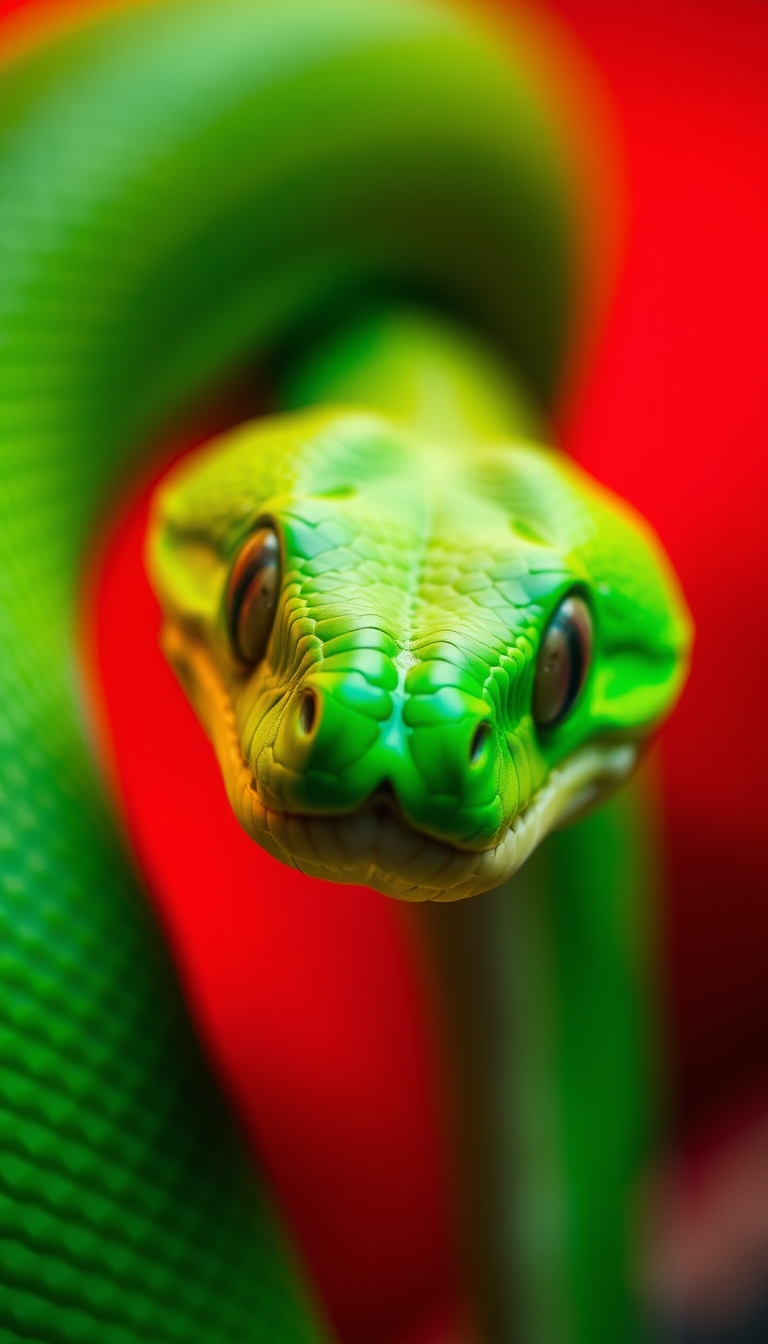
[563, 662]
[254, 585]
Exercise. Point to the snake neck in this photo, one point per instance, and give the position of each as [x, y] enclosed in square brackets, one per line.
[421, 368]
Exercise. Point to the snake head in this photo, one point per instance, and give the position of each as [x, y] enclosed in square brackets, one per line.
[413, 661]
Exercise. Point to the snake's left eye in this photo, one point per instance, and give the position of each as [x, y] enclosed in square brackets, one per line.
[563, 662]
[254, 585]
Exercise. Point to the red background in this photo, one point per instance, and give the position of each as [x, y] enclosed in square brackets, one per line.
[310, 997]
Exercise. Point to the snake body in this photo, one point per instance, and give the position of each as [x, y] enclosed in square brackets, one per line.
[187, 189]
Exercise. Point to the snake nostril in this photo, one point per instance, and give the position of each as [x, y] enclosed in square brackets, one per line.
[479, 739]
[308, 712]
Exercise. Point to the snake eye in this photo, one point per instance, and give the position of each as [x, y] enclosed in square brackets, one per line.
[562, 663]
[252, 595]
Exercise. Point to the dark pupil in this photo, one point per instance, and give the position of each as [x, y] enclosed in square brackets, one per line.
[252, 595]
[562, 663]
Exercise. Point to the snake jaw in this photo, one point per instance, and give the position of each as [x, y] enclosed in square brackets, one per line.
[374, 845]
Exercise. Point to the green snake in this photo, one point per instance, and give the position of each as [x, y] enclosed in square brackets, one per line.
[418, 640]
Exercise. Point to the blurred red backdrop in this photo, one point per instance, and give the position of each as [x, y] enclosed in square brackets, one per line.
[309, 997]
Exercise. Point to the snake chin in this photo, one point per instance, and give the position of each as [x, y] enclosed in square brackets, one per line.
[375, 847]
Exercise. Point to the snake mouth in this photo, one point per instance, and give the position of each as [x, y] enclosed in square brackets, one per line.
[374, 846]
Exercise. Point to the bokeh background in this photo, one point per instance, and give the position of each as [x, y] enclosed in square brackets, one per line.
[312, 1005]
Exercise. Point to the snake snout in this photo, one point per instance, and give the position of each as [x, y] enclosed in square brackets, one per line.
[347, 740]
